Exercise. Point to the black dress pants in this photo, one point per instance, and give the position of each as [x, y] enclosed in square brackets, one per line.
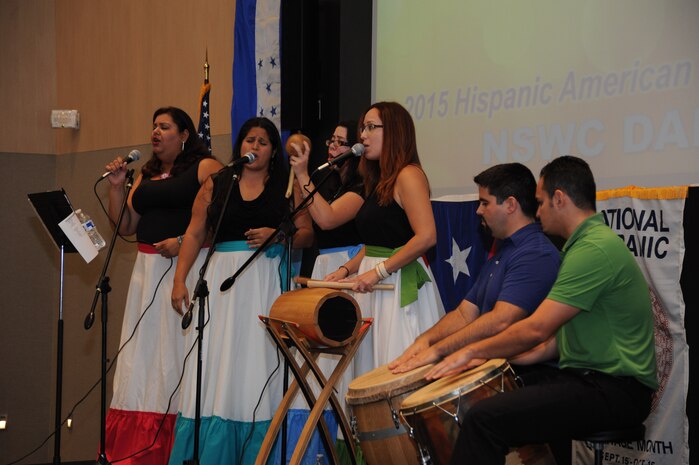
[565, 403]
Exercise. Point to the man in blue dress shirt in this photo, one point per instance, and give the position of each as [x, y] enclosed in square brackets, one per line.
[512, 283]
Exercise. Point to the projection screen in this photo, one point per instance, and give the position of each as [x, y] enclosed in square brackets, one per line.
[614, 82]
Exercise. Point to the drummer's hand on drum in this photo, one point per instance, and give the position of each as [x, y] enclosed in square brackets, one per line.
[417, 359]
[457, 362]
[399, 364]
[179, 295]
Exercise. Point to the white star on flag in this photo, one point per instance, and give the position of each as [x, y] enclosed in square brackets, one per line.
[458, 259]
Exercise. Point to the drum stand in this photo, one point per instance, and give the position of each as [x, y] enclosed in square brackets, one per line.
[285, 337]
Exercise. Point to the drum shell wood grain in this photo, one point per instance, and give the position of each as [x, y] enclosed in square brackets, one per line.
[425, 411]
[324, 317]
[374, 399]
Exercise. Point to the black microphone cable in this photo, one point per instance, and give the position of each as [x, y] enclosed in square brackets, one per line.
[109, 368]
[104, 209]
[254, 412]
[172, 395]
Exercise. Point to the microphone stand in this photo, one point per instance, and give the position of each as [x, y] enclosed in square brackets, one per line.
[103, 290]
[287, 228]
[201, 292]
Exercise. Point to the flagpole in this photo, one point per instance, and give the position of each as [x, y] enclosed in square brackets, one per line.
[204, 125]
[203, 107]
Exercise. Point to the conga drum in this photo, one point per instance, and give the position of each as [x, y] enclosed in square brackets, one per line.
[374, 400]
[434, 412]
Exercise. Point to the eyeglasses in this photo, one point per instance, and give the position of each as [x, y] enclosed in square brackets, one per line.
[369, 127]
[336, 142]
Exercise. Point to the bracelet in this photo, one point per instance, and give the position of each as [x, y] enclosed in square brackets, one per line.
[179, 239]
[346, 269]
[378, 273]
[382, 271]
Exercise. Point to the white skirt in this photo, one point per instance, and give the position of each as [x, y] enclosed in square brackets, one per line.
[238, 354]
[394, 327]
[150, 364]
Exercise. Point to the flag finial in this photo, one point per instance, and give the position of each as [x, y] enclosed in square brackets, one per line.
[206, 67]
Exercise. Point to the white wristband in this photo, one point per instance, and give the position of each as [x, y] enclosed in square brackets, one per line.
[381, 270]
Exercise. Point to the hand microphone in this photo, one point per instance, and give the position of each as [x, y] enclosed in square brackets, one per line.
[247, 158]
[356, 151]
[89, 320]
[133, 156]
[187, 317]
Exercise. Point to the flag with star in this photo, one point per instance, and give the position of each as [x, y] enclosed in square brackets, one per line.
[460, 251]
[256, 63]
[204, 128]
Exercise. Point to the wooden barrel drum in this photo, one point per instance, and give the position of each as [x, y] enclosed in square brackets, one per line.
[324, 317]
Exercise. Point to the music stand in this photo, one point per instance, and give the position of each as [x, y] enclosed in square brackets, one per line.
[52, 208]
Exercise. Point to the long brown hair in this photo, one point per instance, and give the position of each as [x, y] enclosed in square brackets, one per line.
[398, 151]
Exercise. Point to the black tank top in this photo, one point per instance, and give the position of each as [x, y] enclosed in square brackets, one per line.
[165, 205]
[267, 210]
[383, 226]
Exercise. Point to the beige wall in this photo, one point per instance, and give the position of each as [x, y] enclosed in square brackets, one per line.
[28, 284]
[27, 75]
[115, 62]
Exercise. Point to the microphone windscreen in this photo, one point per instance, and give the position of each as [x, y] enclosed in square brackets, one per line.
[358, 149]
[135, 155]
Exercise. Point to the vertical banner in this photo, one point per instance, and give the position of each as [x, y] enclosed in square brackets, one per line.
[649, 221]
[459, 254]
[256, 63]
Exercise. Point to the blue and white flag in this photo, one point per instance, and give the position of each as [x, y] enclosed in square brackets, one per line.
[460, 253]
[256, 63]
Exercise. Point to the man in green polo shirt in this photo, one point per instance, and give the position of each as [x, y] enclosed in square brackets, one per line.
[597, 319]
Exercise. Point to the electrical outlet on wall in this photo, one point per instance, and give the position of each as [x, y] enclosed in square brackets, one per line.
[65, 119]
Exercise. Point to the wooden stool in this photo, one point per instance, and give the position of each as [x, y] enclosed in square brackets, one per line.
[314, 321]
[600, 438]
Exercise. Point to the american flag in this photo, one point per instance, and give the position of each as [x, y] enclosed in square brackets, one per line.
[204, 129]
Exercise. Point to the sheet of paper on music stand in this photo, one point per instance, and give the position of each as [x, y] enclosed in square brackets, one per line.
[77, 235]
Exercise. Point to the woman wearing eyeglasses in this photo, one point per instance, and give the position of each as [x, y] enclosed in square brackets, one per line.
[395, 221]
[337, 240]
[336, 235]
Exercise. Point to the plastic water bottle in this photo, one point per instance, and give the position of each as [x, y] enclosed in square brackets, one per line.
[90, 229]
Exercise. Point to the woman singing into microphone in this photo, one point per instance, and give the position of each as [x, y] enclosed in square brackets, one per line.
[239, 355]
[158, 211]
[394, 219]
